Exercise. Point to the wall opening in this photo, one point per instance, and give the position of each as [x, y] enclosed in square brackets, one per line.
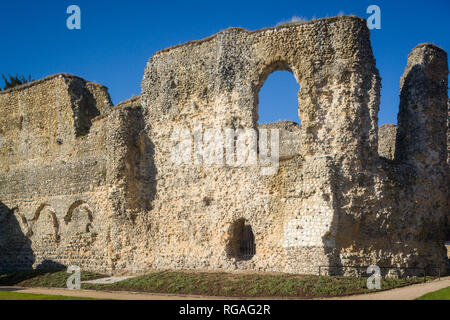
[79, 217]
[241, 245]
[278, 98]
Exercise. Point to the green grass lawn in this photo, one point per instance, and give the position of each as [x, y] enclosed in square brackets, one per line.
[248, 285]
[443, 294]
[212, 283]
[8, 295]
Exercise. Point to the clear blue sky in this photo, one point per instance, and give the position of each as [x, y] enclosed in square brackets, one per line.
[118, 37]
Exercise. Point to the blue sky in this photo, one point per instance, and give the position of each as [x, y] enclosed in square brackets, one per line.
[117, 39]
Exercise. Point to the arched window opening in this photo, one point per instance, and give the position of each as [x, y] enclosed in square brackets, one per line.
[242, 242]
[278, 98]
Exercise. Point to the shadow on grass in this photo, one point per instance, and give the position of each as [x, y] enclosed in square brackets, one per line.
[16, 277]
[42, 277]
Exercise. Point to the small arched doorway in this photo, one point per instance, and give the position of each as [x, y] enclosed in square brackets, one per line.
[241, 245]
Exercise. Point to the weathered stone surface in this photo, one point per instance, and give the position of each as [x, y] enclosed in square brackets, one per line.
[387, 134]
[86, 183]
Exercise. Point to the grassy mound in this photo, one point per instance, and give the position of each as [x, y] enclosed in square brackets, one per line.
[212, 284]
[248, 285]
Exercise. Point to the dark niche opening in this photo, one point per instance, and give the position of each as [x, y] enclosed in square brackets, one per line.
[241, 245]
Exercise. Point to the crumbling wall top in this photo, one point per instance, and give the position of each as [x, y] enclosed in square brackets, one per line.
[216, 81]
[275, 28]
[48, 78]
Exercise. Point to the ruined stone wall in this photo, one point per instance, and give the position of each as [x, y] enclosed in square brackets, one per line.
[406, 210]
[422, 148]
[215, 82]
[336, 202]
[115, 189]
[56, 169]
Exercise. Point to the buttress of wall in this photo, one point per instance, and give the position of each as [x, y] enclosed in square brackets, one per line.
[214, 83]
[53, 172]
[405, 199]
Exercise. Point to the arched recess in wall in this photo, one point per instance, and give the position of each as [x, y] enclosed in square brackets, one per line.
[79, 218]
[13, 226]
[15, 246]
[44, 223]
[241, 242]
[277, 97]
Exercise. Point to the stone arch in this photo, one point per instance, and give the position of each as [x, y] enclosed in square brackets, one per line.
[22, 221]
[15, 247]
[280, 65]
[278, 99]
[241, 243]
[79, 218]
[14, 225]
[44, 222]
[290, 130]
[6, 214]
[79, 236]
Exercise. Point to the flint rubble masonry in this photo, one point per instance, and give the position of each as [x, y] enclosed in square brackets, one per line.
[89, 184]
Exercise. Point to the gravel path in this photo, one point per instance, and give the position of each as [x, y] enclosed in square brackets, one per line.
[115, 295]
[406, 293]
[108, 280]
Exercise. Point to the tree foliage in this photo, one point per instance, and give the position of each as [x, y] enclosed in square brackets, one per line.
[13, 81]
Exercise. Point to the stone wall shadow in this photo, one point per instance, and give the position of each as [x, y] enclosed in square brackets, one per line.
[344, 219]
[84, 106]
[410, 118]
[12, 277]
[148, 170]
[332, 253]
[421, 148]
[140, 170]
[15, 246]
[50, 265]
